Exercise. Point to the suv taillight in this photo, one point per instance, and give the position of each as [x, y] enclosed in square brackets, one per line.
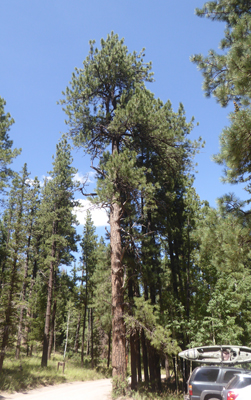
[231, 395]
[190, 390]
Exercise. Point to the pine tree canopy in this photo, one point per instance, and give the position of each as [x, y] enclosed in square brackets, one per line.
[106, 81]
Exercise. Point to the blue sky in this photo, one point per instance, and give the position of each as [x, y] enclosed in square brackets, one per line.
[43, 41]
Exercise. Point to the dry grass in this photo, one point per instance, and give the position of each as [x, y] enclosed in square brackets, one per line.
[27, 373]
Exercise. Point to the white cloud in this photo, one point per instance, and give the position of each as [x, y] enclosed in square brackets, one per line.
[98, 214]
[45, 178]
[30, 181]
[88, 178]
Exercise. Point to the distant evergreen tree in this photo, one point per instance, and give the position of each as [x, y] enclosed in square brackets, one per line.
[7, 154]
[31, 215]
[89, 262]
[102, 300]
[57, 218]
[12, 264]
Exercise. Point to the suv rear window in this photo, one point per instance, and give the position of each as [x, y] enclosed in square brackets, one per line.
[229, 375]
[239, 382]
[206, 375]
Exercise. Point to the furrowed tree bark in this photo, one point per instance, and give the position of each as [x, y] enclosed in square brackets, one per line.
[118, 325]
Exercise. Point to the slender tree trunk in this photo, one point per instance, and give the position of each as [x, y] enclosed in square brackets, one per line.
[23, 296]
[54, 338]
[48, 310]
[88, 333]
[157, 369]
[151, 365]
[138, 356]
[154, 366]
[175, 373]
[27, 328]
[92, 355]
[145, 357]
[188, 274]
[109, 348]
[76, 343]
[83, 336]
[133, 362]
[167, 367]
[52, 328]
[21, 317]
[67, 333]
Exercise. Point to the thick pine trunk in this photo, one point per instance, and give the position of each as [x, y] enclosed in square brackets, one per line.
[118, 325]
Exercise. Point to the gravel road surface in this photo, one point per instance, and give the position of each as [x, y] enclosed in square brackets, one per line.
[91, 390]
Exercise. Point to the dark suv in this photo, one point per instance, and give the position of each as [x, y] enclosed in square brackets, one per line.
[206, 383]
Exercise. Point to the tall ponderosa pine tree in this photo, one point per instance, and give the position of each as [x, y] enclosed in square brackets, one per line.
[110, 109]
[57, 218]
[98, 92]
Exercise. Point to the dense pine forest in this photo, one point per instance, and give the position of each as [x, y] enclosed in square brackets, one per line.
[171, 272]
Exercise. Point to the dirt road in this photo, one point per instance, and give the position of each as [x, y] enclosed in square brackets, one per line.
[92, 390]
